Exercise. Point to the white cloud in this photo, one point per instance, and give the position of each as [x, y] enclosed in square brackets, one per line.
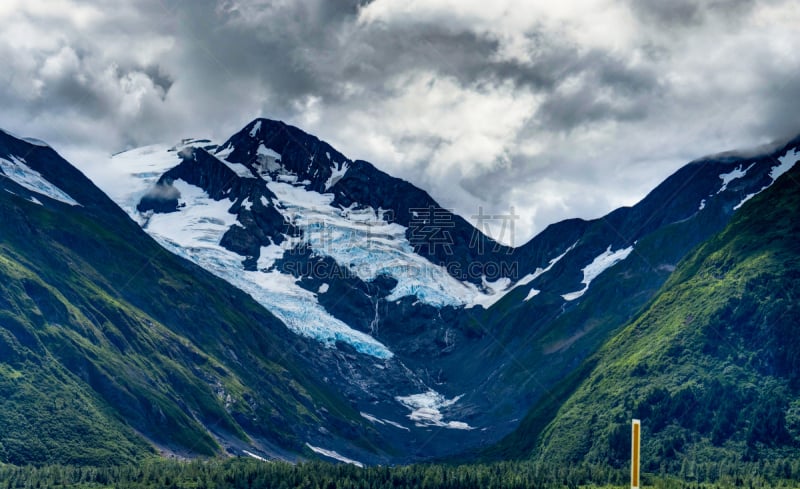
[62, 63]
[79, 14]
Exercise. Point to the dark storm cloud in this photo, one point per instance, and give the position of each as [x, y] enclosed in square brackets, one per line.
[90, 93]
[294, 49]
[609, 89]
[302, 48]
[494, 102]
[159, 77]
[67, 83]
[781, 101]
[319, 49]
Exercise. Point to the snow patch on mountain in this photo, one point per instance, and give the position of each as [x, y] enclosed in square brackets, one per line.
[531, 294]
[334, 455]
[199, 223]
[336, 173]
[785, 163]
[238, 168]
[255, 129]
[748, 197]
[492, 292]
[253, 455]
[223, 152]
[601, 263]
[363, 241]
[18, 171]
[375, 420]
[499, 289]
[264, 151]
[426, 410]
[299, 310]
[732, 175]
[539, 271]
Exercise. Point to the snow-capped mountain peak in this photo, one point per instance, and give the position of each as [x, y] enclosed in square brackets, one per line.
[249, 213]
[282, 152]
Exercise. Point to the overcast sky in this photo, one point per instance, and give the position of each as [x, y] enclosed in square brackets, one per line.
[559, 109]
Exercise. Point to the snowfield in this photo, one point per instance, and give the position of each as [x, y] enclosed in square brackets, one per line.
[18, 170]
[733, 175]
[785, 163]
[195, 231]
[426, 410]
[600, 264]
[334, 455]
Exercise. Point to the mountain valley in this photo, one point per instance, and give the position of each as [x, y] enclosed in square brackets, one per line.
[269, 297]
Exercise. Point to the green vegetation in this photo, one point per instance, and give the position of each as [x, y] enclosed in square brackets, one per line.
[248, 473]
[111, 346]
[711, 366]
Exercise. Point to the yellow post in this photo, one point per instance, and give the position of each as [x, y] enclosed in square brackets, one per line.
[636, 434]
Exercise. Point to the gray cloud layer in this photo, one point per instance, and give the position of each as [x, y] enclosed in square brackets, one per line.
[558, 111]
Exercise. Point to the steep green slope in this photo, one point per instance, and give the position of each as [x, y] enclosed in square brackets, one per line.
[108, 342]
[711, 366]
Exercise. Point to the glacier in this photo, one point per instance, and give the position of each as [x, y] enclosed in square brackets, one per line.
[364, 242]
[195, 231]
